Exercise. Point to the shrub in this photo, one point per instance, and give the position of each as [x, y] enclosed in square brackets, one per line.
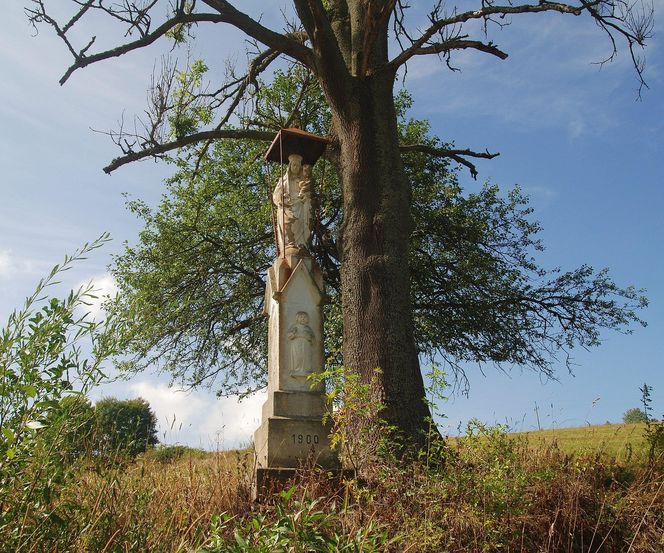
[634, 415]
[126, 427]
[654, 432]
[294, 526]
[70, 427]
[171, 453]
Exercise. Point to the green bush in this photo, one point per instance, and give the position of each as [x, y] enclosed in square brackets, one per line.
[171, 453]
[634, 415]
[124, 427]
[294, 526]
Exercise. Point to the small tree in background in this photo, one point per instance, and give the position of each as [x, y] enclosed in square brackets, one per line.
[634, 415]
[654, 432]
[125, 426]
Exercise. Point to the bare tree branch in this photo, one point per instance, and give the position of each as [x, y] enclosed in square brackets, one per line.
[280, 42]
[438, 24]
[461, 44]
[631, 20]
[140, 21]
[160, 149]
[83, 60]
[456, 155]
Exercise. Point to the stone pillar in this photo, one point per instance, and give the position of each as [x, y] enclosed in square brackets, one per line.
[292, 432]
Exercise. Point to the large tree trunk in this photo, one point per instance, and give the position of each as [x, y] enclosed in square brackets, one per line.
[375, 280]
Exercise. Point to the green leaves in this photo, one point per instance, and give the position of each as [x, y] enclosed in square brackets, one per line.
[192, 287]
[294, 526]
[190, 110]
[42, 365]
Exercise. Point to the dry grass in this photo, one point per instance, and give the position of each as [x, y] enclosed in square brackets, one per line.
[486, 492]
[502, 494]
[154, 506]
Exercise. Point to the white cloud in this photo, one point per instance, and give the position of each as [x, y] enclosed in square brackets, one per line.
[198, 418]
[13, 266]
[103, 287]
[5, 263]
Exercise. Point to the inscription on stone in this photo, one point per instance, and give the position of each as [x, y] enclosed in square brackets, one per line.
[306, 439]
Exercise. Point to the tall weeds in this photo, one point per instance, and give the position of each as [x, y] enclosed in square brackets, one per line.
[486, 491]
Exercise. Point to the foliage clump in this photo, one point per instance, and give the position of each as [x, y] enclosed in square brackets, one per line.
[126, 427]
[634, 415]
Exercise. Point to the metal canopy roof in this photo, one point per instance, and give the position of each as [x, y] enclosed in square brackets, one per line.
[296, 141]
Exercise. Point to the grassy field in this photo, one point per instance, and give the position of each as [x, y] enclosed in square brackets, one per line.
[566, 490]
[621, 441]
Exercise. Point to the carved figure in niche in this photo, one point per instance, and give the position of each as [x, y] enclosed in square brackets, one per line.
[301, 339]
[292, 197]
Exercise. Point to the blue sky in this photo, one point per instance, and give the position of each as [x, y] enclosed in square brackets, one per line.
[570, 133]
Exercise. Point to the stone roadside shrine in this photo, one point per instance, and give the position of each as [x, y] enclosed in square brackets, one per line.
[292, 432]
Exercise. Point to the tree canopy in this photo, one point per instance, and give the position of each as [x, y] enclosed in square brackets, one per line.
[126, 426]
[397, 281]
[194, 283]
[634, 415]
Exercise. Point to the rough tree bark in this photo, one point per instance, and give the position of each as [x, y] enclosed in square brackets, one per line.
[378, 338]
[375, 281]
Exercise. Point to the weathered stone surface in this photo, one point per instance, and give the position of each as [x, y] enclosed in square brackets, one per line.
[292, 433]
[270, 481]
[289, 294]
[293, 442]
[294, 404]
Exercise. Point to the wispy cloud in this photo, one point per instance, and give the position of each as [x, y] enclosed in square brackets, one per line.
[103, 288]
[536, 87]
[5, 263]
[15, 267]
[540, 197]
[198, 418]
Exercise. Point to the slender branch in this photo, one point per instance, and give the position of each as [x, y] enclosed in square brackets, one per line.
[256, 67]
[460, 44]
[456, 155]
[160, 149]
[290, 44]
[181, 19]
[280, 42]
[484, 12]
[84, 8]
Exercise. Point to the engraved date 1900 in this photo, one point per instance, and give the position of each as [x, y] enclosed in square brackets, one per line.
[308, 439]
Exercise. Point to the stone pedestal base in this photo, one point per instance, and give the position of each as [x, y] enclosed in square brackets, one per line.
[284, 442]
[292, 435]
[270, 481]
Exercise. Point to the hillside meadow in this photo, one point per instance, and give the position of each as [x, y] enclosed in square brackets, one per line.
[589, 489]
[611, 440]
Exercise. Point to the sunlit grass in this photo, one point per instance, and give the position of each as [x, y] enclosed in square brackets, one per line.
[620, 441]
